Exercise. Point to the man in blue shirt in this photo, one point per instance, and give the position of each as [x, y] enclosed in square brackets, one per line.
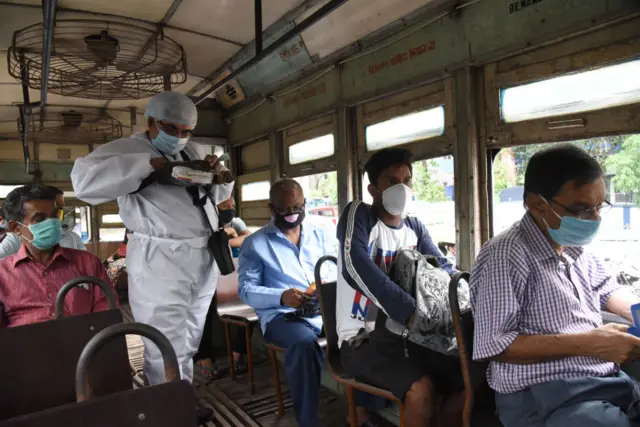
[276, 268]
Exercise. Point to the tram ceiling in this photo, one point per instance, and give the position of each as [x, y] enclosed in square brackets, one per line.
[218, 37]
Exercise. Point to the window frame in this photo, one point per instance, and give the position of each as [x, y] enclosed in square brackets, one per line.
[415, 100]
[255, 212]
[440, 93]
[609, 45]
[603, 47]
[310, 129]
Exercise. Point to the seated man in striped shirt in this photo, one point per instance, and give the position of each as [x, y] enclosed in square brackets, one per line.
[31, 279]
[537, 297]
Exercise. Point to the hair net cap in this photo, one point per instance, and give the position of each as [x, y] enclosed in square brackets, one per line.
[173, 107]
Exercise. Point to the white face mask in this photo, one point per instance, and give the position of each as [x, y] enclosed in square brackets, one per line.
[397, 199]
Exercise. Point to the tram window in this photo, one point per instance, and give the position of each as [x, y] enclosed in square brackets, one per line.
[81, 222]
[587, 91]
[312, 149]
[112, 234]
[6, 189]
[619, 238]
[111, 219]
[321, 194]
[433, 184]
[404, 129]
[255, 191]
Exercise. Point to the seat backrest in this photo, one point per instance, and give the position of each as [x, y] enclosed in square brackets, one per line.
[165, 405]
[327, 296]
[38, 362]
[464, 326]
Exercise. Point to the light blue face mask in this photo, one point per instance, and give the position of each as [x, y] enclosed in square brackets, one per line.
[4, 226]
[168, 144]
[46, 234]
[573, 231]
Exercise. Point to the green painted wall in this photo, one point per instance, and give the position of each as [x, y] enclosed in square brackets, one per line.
[476, 34]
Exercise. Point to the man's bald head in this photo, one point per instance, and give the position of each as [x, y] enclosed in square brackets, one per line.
[286, 194]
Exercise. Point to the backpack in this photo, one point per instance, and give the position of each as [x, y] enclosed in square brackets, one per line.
[432, 326]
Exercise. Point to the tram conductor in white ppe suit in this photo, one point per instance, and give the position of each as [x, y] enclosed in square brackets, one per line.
[172, 274]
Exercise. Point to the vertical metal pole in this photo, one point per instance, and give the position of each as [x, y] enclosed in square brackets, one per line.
[133, 118]
[49, 21]
[22, 123]
[258, 18]
[166, 80]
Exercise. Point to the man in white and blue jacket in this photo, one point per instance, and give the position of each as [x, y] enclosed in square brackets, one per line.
[370, 237]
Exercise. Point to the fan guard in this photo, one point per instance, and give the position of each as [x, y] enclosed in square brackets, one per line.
[99, 59]
[70, 125]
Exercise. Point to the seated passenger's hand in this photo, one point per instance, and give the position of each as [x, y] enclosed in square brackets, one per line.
[231, 232]
[293, 298]
[612, 342]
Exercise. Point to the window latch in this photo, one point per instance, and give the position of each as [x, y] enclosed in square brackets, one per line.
[565, 124]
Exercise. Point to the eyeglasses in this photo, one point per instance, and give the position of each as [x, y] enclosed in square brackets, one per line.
[589, 212]
[291, 209]
[170, 129]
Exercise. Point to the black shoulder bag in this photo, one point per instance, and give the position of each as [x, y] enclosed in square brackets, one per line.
[219, 241]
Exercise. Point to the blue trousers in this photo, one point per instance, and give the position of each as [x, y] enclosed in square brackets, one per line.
[584, 402]
[303, 360]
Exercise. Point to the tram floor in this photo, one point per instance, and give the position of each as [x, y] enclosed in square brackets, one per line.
[232, 402]
[234, 406]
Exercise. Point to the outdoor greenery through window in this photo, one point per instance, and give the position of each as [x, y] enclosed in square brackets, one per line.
[321, 193]
[618, 241]
[433, 184]
[404, 129]
[596, 89]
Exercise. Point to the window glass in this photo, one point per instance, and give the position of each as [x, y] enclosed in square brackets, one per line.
[255, 191]
[405, 129]
[112, 234]
[321, 193]
[433, 187]
[111, 219]
[6, 189]
[76, 220]
[618, 241]
[312, 149]
[587, 91]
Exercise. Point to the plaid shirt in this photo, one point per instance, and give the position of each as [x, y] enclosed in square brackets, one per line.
[520, 285]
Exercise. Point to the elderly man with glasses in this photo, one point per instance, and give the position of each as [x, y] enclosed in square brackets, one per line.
[537, 297]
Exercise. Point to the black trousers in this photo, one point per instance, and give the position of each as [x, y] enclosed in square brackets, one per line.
[213, 342]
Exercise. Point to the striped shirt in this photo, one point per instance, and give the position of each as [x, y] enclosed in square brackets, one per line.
[28, 288]
[520, 285]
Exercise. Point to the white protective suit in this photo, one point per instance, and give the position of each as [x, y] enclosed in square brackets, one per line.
[172, 275]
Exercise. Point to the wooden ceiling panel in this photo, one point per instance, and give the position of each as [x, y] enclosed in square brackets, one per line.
[149, 10]
[13, 19]
[204, 55]
[352, 21]
[231, 19]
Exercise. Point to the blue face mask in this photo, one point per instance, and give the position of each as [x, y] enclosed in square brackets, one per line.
[46, 234]
[573, 231]
[168, 144]
[4, 226]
